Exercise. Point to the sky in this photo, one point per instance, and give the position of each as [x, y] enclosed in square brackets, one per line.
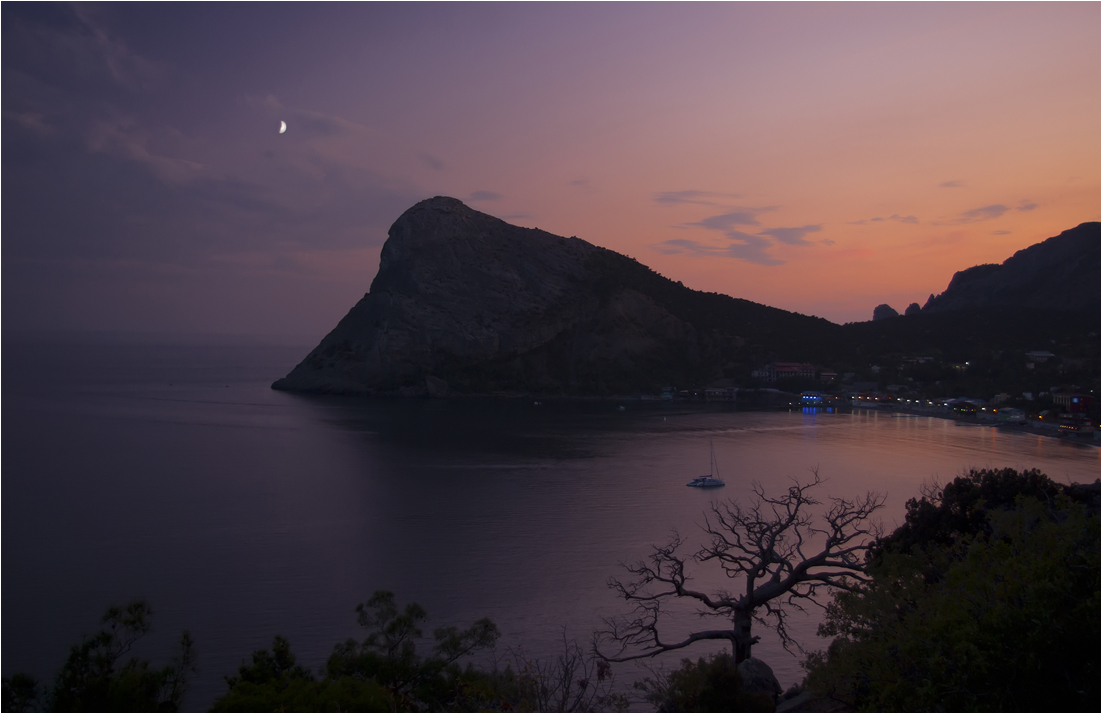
[823, 158]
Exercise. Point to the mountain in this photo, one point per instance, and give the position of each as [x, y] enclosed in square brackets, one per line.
[466, 303]
[1060, 273]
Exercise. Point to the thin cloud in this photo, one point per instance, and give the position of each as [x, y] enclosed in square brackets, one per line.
[791, 236]
[1000, 233]
[1025, 205]
[431, 161]
[975, 215]
[985, 213]
[911, 220]
[484, 196]
[742, 246]
[951, 184]
[579, 182]
[827, 241]
[751, 248]
[700, 198]
[725, 221]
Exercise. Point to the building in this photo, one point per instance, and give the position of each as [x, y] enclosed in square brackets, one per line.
[1073, 403]
[784, 370]
[1039, 356]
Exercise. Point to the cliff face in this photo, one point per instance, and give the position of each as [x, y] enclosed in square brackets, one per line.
[464, 302]
[1060, 273]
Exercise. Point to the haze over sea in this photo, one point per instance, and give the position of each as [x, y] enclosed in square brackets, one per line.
[168, 470]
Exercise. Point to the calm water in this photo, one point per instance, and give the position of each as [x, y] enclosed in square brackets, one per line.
[173, 473]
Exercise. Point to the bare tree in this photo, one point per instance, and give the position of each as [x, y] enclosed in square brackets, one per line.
[783, 553]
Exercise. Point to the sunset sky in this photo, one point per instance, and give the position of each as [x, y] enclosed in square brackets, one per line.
[823, 158]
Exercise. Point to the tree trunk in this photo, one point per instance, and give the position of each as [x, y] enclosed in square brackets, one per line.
[742, 640]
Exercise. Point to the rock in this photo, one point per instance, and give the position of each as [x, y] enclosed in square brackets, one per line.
[913, 309]
[435, 386]
[484, 307]
[758, 678]
[1059, 273]
[883, 312]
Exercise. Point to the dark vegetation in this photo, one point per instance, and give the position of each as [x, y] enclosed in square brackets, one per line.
[733, 337]
[385, 672]
[711, 684]
[985, 599]
[96, 677]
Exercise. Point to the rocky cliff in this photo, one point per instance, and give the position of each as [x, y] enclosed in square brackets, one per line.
[466, 303]
[1061, 273]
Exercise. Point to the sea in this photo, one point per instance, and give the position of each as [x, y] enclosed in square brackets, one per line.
[168, 469]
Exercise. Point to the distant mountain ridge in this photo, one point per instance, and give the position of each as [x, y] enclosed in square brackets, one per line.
[1060, 273]
[465, 303]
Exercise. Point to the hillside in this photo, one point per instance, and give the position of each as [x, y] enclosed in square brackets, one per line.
[464, 302]
[1060, 273]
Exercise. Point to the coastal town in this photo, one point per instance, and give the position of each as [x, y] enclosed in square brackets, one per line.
[1047, 394]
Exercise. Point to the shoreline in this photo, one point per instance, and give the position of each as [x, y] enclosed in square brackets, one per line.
[1032, 427]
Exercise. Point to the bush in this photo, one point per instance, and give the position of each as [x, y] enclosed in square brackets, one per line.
[95, 677]
[707, 685]
[974, 605]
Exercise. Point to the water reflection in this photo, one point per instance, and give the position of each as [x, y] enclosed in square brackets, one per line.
[177, 475]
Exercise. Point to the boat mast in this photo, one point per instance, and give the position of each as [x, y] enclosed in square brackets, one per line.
[715, 464]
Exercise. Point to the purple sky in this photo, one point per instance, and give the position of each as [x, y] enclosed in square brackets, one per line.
[823, 158]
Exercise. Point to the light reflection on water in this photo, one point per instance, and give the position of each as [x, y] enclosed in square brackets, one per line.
[175, 474]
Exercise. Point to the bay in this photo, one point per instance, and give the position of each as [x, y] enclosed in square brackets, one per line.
[169, 470]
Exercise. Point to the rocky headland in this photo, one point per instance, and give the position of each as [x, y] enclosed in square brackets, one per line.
[465, 303]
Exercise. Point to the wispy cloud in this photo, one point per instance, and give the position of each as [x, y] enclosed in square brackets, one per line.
[700, 198]
[751, 248]
[1000, 233]
[742, 246]
[912, 220]
[975, 215]
[1026, 205]
[483, 196]
[791, 236]
[984, 213]
[952, 184]
[725, 221]
[431, 161]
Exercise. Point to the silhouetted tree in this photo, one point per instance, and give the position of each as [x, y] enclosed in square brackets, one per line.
[95, 677]
[775, 545]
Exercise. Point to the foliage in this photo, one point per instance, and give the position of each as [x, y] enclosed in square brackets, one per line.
[94, 677]
[275, 682]
[707, 685]
[1004, 617]
[385, 672]
[388, 655]
[960, 508]
[20, 693]
[782, 553]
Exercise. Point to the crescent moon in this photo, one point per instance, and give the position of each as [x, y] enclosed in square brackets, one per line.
[282, 127]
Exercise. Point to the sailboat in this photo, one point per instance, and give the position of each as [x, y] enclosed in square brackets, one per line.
[712, 480]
